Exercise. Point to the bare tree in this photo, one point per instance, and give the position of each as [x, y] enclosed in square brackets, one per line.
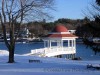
[14, 12]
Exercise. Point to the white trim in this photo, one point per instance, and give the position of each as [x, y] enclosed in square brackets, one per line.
[64, 38]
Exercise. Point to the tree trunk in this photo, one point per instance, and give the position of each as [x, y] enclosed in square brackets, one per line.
[11, 55]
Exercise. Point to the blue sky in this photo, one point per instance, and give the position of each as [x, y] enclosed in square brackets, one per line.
[71, 9]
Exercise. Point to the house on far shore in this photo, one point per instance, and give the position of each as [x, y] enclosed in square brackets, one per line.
[60, 42]
[96, 40]
[72, 31]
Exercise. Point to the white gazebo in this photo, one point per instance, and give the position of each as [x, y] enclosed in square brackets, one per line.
[57, 43]
[60, 42]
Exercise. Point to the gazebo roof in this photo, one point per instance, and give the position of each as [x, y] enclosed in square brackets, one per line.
[60, 31]
[60, 28]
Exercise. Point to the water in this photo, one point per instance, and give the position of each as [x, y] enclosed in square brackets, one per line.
[82, 51]
[23, 48]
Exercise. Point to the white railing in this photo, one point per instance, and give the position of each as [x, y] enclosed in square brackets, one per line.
[37, 51]
[54, 51]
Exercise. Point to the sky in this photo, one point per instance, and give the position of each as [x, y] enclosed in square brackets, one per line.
[71, 9]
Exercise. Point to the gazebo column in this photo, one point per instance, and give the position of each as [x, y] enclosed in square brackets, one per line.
[68, 44]
[74, 47]
[62, 45]
[58, 44]
[75, 44]
[72, 44]
[45, 44]
[50, 44]
[44, 47]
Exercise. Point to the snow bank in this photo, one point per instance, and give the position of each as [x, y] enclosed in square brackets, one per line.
[4, 52]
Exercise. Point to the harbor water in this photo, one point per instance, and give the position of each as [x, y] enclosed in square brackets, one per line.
[81, 50]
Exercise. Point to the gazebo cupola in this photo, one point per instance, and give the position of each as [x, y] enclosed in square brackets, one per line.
[59, 42]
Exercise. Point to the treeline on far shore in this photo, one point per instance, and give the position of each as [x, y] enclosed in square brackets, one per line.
[41, 28]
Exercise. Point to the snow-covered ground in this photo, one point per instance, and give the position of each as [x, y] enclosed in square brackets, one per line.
[46, 66]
